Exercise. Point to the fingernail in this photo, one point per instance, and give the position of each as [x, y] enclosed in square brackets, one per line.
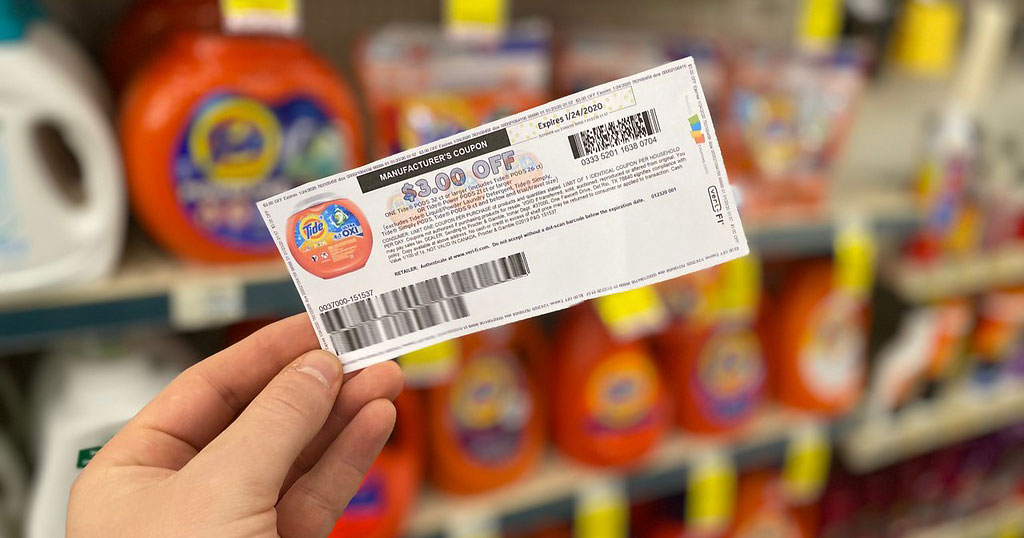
[322, 365]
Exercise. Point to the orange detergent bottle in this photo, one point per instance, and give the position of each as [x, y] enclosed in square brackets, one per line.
[711, 353]
[762, 510]
[385, 498]
[215, 123]
[608, 404]
[817, 335]
[486, 423]
[148, 25]
[330, 237]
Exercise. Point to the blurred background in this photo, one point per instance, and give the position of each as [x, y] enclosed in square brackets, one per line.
[859, 375]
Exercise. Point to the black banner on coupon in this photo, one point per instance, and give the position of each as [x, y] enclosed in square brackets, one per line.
[414, 167]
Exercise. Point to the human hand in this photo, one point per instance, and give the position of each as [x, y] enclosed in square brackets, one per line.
[263, 439]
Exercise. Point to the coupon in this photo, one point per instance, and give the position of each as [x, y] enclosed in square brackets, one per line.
[606, 190]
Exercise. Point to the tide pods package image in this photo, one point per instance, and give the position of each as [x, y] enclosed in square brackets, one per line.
[613, 188]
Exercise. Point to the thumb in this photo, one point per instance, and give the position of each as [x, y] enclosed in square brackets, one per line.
[260, 446]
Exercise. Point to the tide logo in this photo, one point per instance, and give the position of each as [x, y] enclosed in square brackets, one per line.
[235, 140]
[696, 130]
[312, 228]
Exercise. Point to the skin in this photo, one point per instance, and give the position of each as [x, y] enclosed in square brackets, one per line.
[264, 439]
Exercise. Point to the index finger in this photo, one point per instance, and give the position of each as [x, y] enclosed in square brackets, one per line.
[206, 398]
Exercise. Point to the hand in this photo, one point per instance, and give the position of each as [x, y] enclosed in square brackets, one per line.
[263, 439]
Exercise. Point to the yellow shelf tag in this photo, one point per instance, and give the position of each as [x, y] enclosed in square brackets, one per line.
[820, 23]
[805, 470]
[482, 19]
[1011, 530]
[431, 365]
[602, 511]
[632, 314]
[711, 494]
[740, 285]
[855, 255]
[261, 16]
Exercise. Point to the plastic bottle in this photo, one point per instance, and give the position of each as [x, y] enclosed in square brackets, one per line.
[86, 390]
[761, 510]
[712, 354]
[214, 123]
[486, 424]
[386, 496]
[146, 28]
[49, 234]
[817, 338]
[608, 404]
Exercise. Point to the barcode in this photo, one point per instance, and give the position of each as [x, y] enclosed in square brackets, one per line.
[417, 306]
[614, 133]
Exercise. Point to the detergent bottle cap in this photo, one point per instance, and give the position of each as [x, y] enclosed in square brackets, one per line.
[14, 18]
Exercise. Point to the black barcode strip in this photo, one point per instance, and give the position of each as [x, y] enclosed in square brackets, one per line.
[399, 324]
[614, 133]
[417, 306]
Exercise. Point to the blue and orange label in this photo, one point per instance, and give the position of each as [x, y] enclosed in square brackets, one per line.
[622, 393]
[730, 374]
[334, 223]
[490, 408]
[236, 150]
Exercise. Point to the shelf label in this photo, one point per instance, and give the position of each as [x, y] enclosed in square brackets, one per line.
[632, 314]
[261, 16]
[475, 19]
[820, 23]
[472, 524]
[740, 285]
[855, 254]
[805, 470]
[207, 303]
[431, 365]
[711, 494]
[602, 510]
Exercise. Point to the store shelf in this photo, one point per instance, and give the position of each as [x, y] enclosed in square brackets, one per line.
[154, 289]
[1004, 520]
[919, 282]
[549, 493]
[889, 213]
[967, 413]
[150, 289]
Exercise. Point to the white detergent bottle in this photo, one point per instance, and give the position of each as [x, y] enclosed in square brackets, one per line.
[85, 392]
[55, 228]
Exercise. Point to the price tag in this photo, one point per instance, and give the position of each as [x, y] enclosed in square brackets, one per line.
[431, 365]
[470, 524]
[740, 285]
[805, 470]
[261, 16]
[820, 23]
[476, 19]
[855, 254]
[207, 303]
[632, 314]
[602, 511]
[1013, 529]
[711, 494]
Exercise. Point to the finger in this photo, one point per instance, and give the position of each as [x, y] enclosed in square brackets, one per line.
[313, 505]
[257, 450]
[382, 380]
[203, 400]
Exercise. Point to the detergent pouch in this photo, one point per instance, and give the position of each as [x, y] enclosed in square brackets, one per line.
[607, 190]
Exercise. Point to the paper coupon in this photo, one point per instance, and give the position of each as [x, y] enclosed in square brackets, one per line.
[604, 191]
